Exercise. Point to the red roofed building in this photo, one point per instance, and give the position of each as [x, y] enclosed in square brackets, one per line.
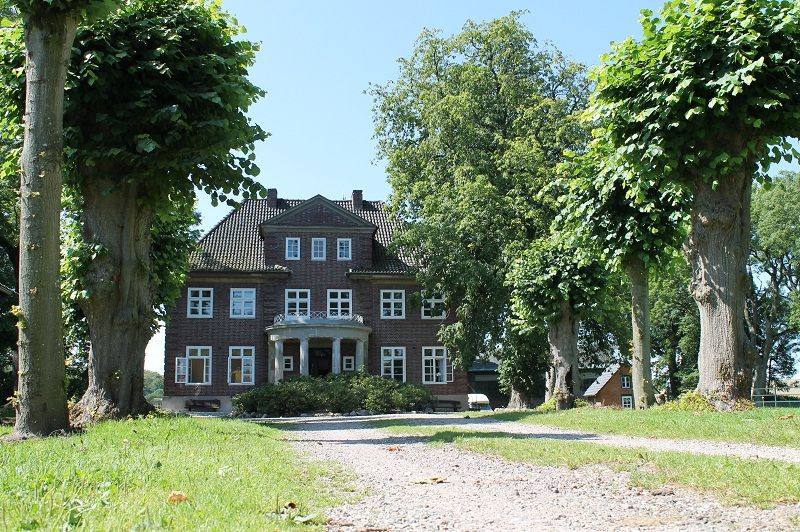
[612, 388]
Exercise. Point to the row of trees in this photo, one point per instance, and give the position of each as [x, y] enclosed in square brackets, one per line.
[153, 97]
[533, 193]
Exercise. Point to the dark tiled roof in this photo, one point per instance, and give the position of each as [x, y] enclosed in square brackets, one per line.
[601, 381]
[235, 245]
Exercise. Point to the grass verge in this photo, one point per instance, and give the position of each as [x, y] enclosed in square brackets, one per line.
[766, 426]
[119, 475]
[733, 480]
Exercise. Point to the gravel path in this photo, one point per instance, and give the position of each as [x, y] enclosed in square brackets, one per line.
[740, 450]
[481, 492]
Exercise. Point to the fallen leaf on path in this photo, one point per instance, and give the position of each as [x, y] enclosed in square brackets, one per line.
[393, 448]
[431, 480]
[176, 497]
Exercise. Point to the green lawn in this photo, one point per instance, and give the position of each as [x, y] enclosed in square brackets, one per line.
[733, 480]
[118, 475]
[762, 426]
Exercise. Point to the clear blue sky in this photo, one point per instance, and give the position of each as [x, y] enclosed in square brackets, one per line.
[318, 57]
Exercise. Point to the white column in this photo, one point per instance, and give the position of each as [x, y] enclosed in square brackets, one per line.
[336, 366]
[360, 344]
[278, 360]
[304, 356]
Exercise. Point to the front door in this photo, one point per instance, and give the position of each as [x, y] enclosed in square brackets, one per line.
[319, 361]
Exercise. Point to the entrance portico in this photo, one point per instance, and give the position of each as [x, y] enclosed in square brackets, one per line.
[321, 333]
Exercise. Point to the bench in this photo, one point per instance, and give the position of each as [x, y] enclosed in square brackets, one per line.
[202, 405]
[447, 405]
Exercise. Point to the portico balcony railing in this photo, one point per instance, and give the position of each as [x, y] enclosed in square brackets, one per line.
[317, 315]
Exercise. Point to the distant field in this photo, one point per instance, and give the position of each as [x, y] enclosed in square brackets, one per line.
[733, 480]
[768, 426]
[119, 475]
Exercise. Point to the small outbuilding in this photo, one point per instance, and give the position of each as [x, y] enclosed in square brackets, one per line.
[484, 378]
[612, 388]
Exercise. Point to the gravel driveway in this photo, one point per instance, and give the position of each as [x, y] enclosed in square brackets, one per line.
[719, 448]
[480, 492]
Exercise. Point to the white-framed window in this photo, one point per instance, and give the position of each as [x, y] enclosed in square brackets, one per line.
[340, 303]
[393, 363]
[241, 360]
[200, 303]
[318, 248]
[436, 366]
[344, 249]
[195, 367]
[348, 363]
[393, 304]
[627, 402]
[626, 381]
[298, 302]
[243, 302]
[292, 248]
[288, 363]
[433, 308]
[181, 367]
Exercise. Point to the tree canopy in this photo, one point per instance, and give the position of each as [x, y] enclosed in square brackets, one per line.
[705, 101]
[473, 128]
[704, 71]
[155, 109]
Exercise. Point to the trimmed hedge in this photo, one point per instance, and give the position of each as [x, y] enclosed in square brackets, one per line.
[333, 393]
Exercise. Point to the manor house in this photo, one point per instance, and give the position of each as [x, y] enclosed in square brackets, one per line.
[284, 287]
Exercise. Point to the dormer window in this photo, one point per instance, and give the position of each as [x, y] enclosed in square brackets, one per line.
[344, 247]
[292, 248]
[317, 249]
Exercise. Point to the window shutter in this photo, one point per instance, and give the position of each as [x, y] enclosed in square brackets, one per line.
[181, 366]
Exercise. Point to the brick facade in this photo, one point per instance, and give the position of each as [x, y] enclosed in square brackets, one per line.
[611, 393]
[229, 257]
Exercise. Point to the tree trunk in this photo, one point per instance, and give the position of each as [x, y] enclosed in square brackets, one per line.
[519, 400]
[563, 338]
[42, 406]
[760, 374]
[672, 374]
[761, 363]
[119, 309]
[717, 249]
[641, 373]
[549, 383]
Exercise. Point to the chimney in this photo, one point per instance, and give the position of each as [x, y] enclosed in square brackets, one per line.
[358, 200]
[272, 197]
